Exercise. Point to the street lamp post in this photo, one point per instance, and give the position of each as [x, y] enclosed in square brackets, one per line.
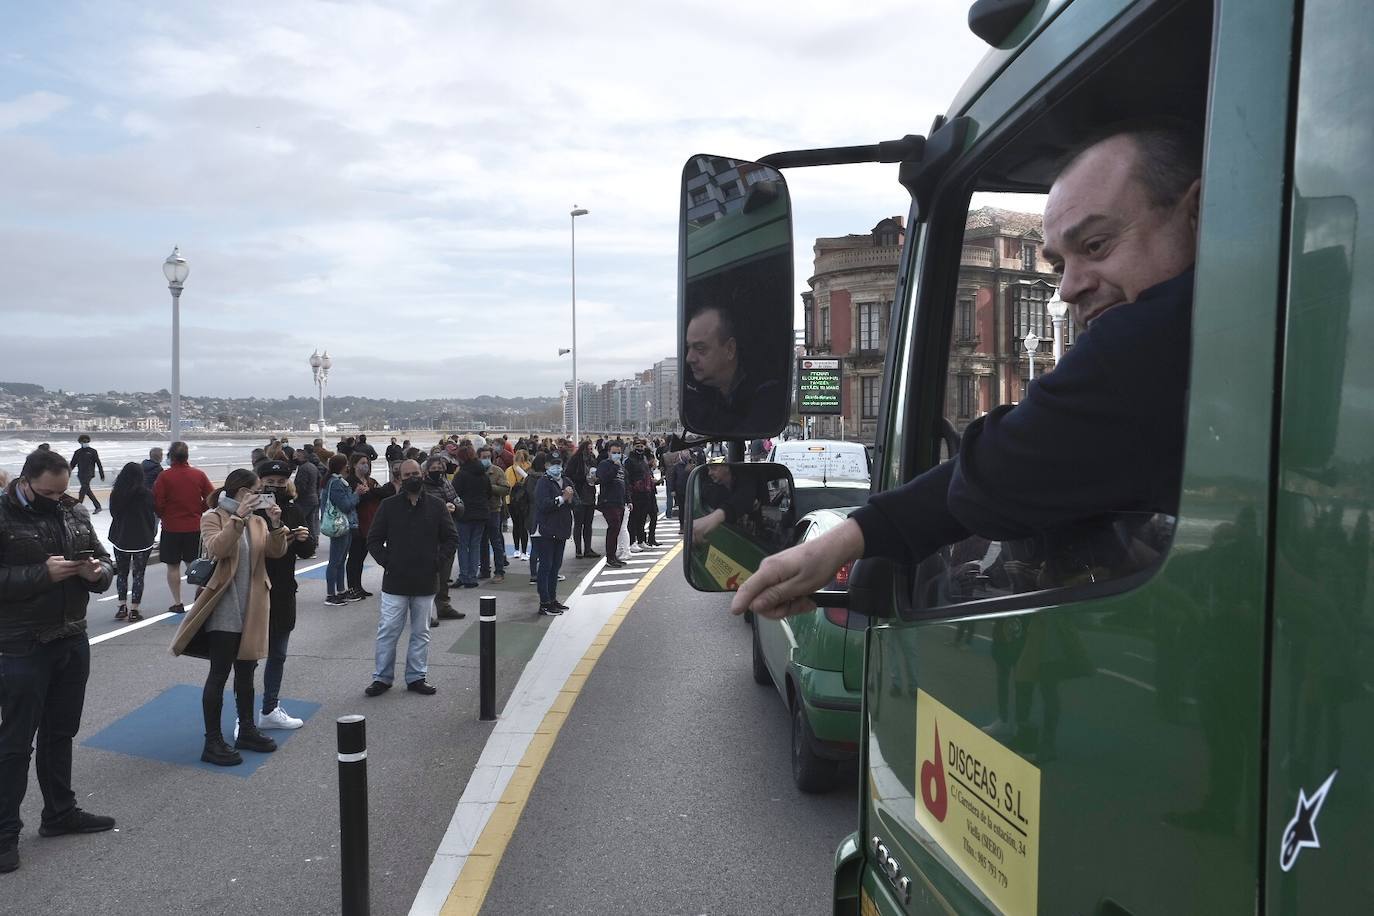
[648, 406]
[1031, 343]
[320, 364]
[572, 223]
[176, 270]
[1058, 309]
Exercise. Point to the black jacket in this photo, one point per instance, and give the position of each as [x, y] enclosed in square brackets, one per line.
[577, 468]
[474, 489]
[33, 608]
[1102, 433]
[409, 541]
[281, 571]
[553, 517]
[133, 523]
[86, 461]
[308, 484]
[150, 471]
[610, 479]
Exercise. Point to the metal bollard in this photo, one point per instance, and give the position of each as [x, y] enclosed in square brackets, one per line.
[486, 621]
[353, 868]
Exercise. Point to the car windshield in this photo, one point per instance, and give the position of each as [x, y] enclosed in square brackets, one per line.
[824, 461]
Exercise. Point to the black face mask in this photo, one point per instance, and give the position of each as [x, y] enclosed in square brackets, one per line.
[436, 476]
[41, 503]
[412, 485]
[280, 493]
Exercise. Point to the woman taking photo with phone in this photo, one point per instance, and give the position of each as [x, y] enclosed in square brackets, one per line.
[229, 620]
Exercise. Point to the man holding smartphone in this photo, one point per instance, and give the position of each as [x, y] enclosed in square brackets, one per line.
[50, 562]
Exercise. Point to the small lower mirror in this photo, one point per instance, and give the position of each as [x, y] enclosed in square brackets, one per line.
[737, 514]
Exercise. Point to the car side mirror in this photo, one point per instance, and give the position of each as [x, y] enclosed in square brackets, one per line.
[735, 299]
[736, 515]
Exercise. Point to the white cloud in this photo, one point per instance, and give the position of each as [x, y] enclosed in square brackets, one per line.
[31, 108]
[393, 180]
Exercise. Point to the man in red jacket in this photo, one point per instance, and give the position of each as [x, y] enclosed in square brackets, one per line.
[179, 499]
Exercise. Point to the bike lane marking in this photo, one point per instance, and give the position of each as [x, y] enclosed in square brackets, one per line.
[494, 799]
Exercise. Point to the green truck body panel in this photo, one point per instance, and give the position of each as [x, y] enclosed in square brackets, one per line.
[1236, 676]
[1323, 704]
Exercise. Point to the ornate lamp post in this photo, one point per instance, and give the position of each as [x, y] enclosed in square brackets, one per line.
[1058, 309]
[1032, 343]
[176, 270]
[320, 364]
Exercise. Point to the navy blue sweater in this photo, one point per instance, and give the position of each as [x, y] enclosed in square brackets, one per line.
[1101, 433]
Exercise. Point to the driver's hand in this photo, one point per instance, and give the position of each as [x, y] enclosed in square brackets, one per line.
[702, 527]
[785, 581]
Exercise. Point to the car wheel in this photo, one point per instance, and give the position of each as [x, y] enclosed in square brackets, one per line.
[761, 675]
[811, 773]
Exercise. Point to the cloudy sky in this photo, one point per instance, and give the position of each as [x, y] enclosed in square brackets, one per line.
[392, 180]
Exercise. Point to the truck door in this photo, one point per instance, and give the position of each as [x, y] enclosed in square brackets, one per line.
[1075, 726]
[1321, 762]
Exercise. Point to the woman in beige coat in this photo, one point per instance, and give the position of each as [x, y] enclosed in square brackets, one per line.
[229, 619]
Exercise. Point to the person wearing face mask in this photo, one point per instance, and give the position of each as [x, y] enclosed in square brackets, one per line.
[281, 572]
[410, 538]
[639, 477]
[494, 540]
[370, 497]
[233, 610]
[612, 498]
[581, 469]
[51, 560]
[436, 484]
[474, 489]
[554, 498]
[516, 476]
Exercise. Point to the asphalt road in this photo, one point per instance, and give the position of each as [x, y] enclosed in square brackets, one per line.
[669, 790]
[193, 839]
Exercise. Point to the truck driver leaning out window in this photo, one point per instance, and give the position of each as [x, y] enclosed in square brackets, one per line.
[1103, 432]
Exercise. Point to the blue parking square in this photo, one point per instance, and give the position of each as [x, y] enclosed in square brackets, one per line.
[170, 728]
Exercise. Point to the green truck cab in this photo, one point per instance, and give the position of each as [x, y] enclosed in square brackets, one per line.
[1184, 727]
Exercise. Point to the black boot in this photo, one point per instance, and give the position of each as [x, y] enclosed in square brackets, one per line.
[250, 739]
[219, 753]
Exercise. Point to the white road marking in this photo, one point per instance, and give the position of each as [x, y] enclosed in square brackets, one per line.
[163, 616]
[1129, 680]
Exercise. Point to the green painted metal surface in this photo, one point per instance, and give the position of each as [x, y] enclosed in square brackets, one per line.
[1323, 694]
[1150, 756]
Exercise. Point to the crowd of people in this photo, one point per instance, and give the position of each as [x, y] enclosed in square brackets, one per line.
[445, 506]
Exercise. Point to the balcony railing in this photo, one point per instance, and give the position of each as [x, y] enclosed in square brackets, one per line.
[977, 256]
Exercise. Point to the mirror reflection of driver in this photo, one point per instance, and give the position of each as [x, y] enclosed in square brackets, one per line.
[720, 397]
[731, 498]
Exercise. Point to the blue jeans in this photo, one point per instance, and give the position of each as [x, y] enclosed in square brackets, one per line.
[395, 610]
[336, 575]
[42, 691]
[494, 540]
[470, 534]
[668, 504]
[272, 671]
[550, 552]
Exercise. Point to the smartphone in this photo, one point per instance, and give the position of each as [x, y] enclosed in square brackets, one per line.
[266, 500]
[84, 555]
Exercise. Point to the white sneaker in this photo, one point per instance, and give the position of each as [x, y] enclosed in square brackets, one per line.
[635, 548]
[278, 718]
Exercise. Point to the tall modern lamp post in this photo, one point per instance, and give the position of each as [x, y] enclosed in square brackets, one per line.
[572, 222]
[1058, 309]
[176, 270]
[648, 408]
[321, 364]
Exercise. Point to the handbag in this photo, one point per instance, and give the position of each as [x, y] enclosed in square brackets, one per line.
[200, 571]
[334, 523]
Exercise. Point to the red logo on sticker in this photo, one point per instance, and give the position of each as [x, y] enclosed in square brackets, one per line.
[933, 782]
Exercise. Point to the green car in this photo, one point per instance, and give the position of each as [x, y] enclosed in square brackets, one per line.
[816, 662]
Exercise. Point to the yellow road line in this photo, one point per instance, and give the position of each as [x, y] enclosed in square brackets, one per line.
[470, 890]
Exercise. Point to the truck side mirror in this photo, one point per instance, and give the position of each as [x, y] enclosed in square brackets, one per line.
[736, 514]
[735, 299]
